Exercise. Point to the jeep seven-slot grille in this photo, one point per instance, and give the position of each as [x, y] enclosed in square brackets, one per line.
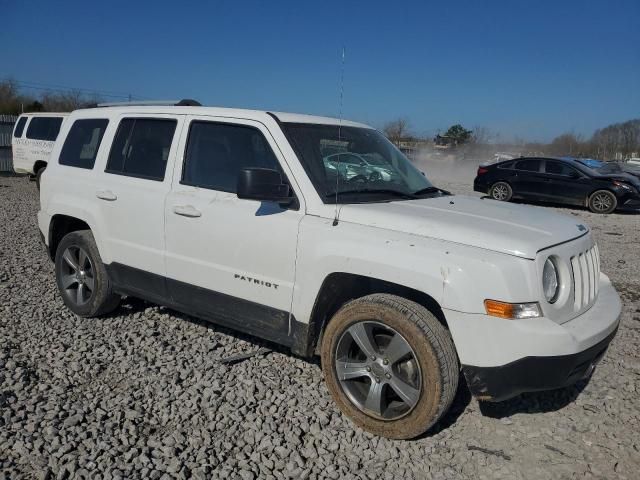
[586, 275]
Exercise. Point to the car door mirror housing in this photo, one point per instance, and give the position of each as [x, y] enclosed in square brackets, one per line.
[263, 184]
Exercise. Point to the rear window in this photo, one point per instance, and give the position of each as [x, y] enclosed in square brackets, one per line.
[81, 145]
[44, 128]
[528, 165]
[141, 148]
[19, 127]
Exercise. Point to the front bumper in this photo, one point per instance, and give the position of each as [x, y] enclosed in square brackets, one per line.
[532, 374]
[503, 358]
[630, 204]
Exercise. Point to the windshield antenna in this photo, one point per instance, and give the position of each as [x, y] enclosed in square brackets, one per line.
[335, 218]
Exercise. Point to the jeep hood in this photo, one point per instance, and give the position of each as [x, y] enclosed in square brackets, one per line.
[518, 230]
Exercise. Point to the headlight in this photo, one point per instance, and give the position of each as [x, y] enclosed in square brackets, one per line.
[550, 283]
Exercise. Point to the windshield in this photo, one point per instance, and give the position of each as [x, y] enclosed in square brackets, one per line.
[360, 164]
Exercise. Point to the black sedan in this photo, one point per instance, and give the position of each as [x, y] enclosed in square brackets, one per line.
[560, 180]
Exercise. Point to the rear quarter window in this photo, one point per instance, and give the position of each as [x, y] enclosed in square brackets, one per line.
[44, 128]
[82, 143]
[506, 165]
[17, 132]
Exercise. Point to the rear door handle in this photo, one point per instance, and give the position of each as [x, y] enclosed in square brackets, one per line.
[187, 211]
[107, 195]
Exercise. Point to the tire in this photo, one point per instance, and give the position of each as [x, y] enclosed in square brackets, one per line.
[81, 277]
[602, 201]
[501, 191]
[38, 175]
[430, 368]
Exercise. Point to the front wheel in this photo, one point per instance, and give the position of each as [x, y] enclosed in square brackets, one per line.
[389, 365]
[602, 201]
[81, 277]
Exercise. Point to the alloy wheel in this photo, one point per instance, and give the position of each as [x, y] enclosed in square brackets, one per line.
[500, 192]
[378, 370]
[77, 275]
[602, 202]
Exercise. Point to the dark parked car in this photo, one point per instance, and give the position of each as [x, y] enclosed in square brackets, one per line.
[560, 180]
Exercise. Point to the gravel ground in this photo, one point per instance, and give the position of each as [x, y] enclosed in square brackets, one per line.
[144, 393]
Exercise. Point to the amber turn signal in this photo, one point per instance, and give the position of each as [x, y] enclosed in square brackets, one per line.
[511, 311]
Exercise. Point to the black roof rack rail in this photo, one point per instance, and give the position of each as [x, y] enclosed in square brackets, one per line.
[185, 102]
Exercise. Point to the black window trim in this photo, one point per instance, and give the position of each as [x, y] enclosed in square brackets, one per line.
[295, 205]
[95, 158]
[137, 175]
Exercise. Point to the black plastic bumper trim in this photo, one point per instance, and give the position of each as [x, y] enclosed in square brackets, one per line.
[531, 374]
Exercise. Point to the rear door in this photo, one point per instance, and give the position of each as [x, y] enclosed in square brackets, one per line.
[567, 184]
[528, 180]
[132, 192]
[229, 258]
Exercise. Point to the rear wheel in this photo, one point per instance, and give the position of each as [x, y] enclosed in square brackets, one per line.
[602, 201]
[81, 277]
[501, 191]
[389, 365]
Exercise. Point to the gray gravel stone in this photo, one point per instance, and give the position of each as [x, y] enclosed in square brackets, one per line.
[141, 393]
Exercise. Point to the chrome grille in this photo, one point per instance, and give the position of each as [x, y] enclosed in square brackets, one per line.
[586, 274]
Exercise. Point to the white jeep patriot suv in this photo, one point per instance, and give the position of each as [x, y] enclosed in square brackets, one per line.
[318, 234]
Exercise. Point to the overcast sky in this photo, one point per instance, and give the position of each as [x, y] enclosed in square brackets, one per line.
[532, 69]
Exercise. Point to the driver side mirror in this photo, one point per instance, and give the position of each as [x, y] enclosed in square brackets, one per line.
[263, 184]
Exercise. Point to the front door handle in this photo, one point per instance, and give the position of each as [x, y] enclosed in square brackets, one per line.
[187, 211]
[107, 195]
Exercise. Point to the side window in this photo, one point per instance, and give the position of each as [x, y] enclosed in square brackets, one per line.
[558, 168]
[506, 165]
[81, 145]
[44, 128]
[217, 152]
[17, 133]
[528, 165]
[141, 148]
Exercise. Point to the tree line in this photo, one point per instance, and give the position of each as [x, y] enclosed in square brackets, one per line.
[14, 102]
[618, 140]
[615, 140]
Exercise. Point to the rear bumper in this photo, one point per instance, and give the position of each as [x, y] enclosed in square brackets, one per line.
[534, 373]
[480, 186]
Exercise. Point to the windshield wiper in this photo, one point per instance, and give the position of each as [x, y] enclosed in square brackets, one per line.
[424, 191]
[384, 191]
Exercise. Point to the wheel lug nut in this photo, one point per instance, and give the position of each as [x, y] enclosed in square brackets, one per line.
[373, 357]
[377, 379]
[368, 369]
[388, 375]
[385, 362]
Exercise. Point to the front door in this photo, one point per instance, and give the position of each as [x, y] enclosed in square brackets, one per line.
[230, 259]
[567, 184]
